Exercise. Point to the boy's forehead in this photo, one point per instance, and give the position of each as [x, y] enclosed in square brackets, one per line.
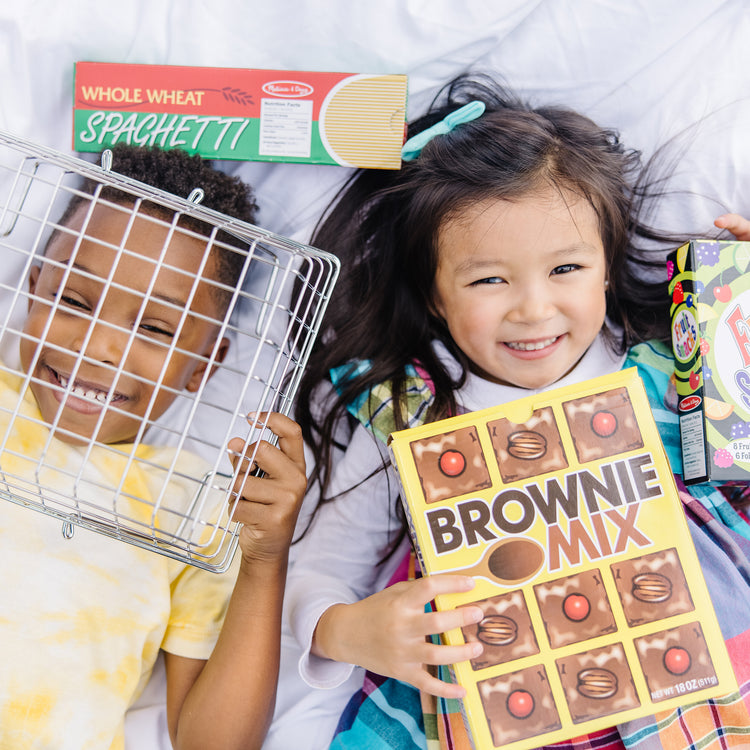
[140, 237]
[139, 246]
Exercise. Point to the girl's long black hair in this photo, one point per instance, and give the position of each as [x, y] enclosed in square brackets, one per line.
[384, 225]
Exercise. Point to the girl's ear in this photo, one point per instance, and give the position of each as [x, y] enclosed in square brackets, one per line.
[197, 377]
[435, 305]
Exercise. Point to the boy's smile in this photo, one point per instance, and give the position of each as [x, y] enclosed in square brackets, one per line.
[87, 398]
[521, 285]
[137, 317]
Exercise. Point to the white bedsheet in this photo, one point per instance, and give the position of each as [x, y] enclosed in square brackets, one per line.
[654, 69]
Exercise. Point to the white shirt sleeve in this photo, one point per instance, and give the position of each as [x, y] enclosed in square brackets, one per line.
[340, 559]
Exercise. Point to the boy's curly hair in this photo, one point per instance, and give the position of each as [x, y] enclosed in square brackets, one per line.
[176, 172]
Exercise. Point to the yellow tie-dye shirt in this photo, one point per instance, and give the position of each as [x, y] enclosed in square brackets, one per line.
[82, 619]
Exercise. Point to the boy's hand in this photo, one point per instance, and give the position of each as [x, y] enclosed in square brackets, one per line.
[736, 224]
[267, 506]
[387, 632]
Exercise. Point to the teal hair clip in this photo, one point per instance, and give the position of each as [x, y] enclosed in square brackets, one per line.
[413, 147]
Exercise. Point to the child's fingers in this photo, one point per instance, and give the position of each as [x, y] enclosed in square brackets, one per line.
[410, 598]
[738, 225]
[261, 455]
[418, 593]
[288, 432]
[273, 461]
[434, 653]
[450, 619]
[266, 506]
[427, 654]
[427, 683]
[425, 589]
[281, 475]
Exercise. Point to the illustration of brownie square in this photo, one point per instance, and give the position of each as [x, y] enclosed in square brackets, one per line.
[450, 464]
[603, 425]
[597, 683]
[652, 587]
[675, 661]
[518, 705]
[575, 608]
[505, 632]
[525, 450]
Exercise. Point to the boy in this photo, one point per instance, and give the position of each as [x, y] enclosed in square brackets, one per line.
[124, 314]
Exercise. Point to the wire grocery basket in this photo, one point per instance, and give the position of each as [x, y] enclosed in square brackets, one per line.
[124, 372]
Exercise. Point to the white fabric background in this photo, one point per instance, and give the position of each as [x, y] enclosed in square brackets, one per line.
[654, 69]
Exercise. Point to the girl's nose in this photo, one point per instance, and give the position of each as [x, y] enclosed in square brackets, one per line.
[532, 304]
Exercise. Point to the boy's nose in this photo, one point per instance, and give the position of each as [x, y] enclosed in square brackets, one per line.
[103, 342]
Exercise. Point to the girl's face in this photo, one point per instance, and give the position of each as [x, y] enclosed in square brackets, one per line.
[521, 285]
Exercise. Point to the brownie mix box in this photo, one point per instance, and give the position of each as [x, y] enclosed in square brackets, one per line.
[710, 317]
[563, 507]
[353, 120]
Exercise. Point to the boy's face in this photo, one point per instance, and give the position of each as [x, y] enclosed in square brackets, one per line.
[126, 344]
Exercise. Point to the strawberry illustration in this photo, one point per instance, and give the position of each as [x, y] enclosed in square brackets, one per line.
[677, 294]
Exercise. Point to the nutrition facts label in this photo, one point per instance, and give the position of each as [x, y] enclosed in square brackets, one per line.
[693, 450]
[285, 127]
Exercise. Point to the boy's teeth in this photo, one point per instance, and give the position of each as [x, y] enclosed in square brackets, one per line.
[91, 395]
[530, 347]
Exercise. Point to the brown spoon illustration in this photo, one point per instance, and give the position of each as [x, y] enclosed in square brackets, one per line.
[509, 562]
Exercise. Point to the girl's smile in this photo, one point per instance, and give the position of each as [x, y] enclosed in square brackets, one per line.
[521, 285]
[533, 349]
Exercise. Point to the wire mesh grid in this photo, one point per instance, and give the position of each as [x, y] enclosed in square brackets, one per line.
[129, 358]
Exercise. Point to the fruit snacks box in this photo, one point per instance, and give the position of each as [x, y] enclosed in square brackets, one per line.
[353, 120]
[563, 507]
[710, 317]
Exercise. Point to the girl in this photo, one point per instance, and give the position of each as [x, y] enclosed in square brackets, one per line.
[500, 260]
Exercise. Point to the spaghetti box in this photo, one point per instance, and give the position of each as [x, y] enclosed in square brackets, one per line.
[564, 509]
[353, 120]
[710, 316]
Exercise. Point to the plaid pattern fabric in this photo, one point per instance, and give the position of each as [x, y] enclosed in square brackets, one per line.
[389, 715]
[374, 409]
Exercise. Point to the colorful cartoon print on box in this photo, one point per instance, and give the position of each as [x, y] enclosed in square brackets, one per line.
[710, 316]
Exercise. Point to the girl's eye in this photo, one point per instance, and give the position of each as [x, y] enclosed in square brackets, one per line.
[488, 280]
[567, 268]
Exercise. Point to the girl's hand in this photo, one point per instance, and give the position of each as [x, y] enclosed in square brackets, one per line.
[268, 505]
[736, 224]
[387, 632]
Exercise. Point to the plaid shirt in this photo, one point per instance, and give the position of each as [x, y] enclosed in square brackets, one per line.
[390, 715]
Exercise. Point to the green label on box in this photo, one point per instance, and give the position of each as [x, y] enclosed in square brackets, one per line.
[251, 115]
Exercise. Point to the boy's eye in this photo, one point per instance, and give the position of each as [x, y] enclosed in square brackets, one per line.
[73, 302]
[567, 268]
[156, 330]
